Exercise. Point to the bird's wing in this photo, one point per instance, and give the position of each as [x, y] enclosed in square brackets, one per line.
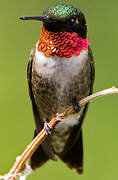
[73, 156]
[46, 145]
[39, 124]
[90, 56]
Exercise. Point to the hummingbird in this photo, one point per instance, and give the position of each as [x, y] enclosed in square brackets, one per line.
[60, 73]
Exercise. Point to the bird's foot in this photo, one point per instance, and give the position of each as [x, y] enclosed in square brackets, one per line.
[76, 105]
[48, 129]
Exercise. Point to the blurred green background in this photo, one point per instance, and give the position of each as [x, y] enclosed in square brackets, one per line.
[16, 119]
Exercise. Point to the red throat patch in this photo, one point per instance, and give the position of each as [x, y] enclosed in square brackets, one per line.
[62, 44]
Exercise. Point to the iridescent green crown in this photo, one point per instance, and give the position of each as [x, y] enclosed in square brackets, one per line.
[61, 11]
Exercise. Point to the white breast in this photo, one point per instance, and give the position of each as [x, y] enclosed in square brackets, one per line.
[63, 66]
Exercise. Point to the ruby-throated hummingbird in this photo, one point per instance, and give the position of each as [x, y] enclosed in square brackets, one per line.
[60, 71]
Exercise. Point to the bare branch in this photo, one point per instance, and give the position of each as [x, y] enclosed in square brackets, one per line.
[20, 163]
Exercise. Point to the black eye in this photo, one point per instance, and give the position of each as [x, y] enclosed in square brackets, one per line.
[72, 21]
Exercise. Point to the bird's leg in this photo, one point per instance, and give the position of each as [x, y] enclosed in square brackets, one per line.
[76, 105]
[48, 129]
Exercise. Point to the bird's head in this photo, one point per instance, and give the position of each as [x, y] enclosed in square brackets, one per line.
[62, 17]
[64, 31]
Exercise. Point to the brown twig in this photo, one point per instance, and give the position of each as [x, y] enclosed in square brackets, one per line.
[18, 165]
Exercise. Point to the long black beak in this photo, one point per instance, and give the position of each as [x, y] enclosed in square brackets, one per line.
[38, 18]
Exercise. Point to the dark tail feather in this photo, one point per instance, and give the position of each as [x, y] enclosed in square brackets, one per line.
[74, 157]
[39, 157]
[42, 153]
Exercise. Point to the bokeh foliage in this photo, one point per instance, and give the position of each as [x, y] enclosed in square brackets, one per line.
[16, 120]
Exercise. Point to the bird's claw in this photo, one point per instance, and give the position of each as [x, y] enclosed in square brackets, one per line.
[76, 105]
[48, 129]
